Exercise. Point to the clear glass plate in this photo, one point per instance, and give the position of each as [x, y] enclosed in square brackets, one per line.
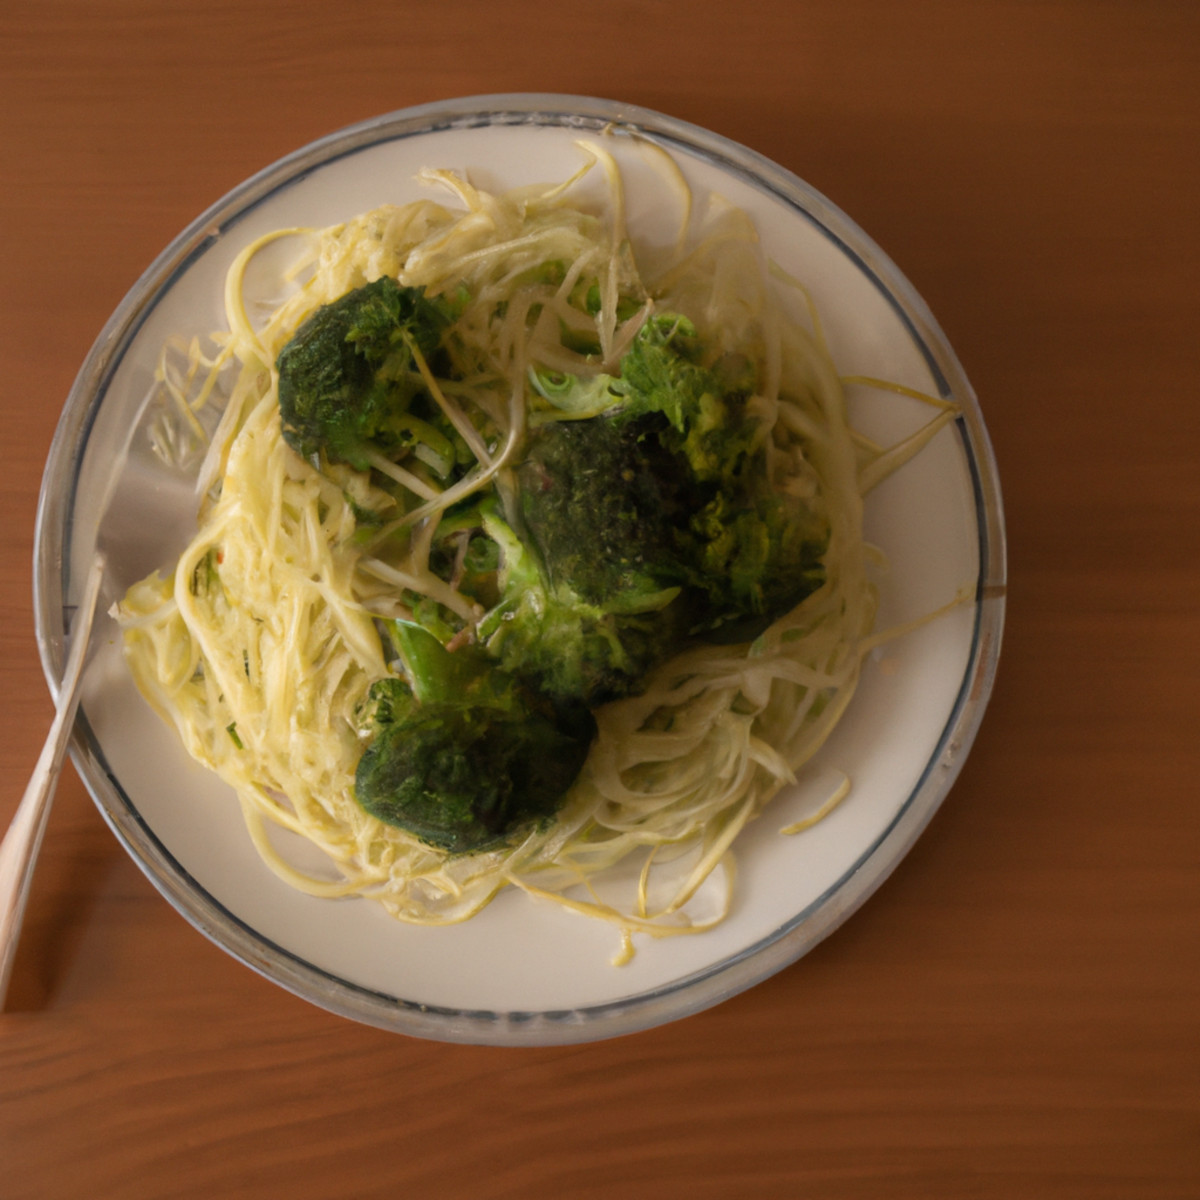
[525, 972]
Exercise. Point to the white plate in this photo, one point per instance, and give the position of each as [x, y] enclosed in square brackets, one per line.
[524, 972]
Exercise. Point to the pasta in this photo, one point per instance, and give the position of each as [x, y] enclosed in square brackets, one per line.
[262, 644]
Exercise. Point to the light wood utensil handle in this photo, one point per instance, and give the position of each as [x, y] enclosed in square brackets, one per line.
[18, 853]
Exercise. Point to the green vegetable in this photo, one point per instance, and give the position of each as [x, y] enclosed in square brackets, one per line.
[348, 379]
[754, 554]
[660, 373]
[601, 500]
[747, 552]
[462, 754]
[570, 648]
[667, 488]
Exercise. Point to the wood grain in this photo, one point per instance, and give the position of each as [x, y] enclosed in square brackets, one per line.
[1015, 1012]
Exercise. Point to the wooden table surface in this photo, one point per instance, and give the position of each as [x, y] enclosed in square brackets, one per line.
[1016, 1013]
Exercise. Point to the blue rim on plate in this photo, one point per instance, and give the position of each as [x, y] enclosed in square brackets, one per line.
[57, 538]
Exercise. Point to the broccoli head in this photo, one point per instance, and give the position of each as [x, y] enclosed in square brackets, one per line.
[601, 500]
[650, 523]
[462, 755]
[570, 646]
[704, 407]
[745, 552]
[347, 378]
[751, 555]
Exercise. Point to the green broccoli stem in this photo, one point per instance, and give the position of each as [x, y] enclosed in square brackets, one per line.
[435, 674]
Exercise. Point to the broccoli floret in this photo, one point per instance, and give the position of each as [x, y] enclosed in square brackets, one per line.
[570, 648]
[601, 500]
[704, 408]
[347, 378]
[754, 555]
[464, 755]
[645, 526]
[746, 553]
[650, 523]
